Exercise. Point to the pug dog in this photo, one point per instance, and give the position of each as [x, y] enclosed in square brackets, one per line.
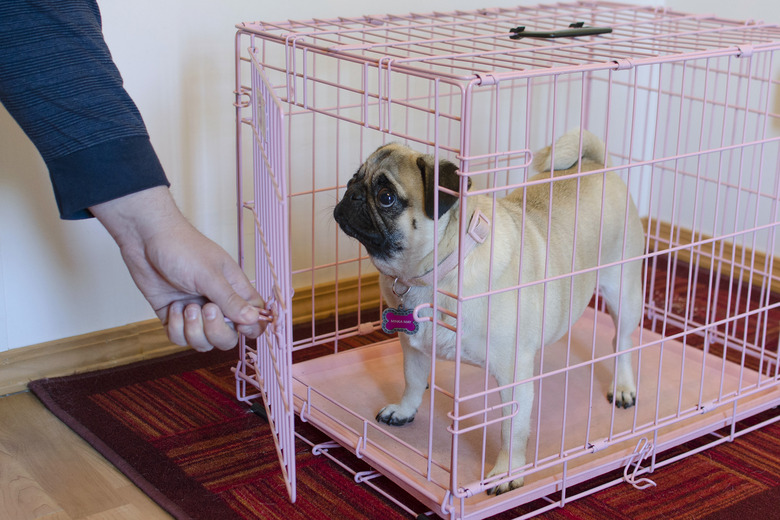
[390, 206]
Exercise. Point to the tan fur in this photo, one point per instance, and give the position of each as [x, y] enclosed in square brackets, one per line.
[520, 218]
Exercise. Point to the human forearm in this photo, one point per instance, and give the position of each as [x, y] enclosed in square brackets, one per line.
[67, 95]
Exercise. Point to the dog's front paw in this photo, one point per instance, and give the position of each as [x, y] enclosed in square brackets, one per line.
[395, 415]
[623, 385]
[506, 486]
[500, 469]
[624, 398]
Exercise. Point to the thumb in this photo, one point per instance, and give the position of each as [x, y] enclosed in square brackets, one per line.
[238, 300]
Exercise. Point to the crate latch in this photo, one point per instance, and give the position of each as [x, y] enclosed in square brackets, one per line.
[642, 451]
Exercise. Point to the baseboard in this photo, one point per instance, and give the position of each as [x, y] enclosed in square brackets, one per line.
[364, 293]
[319, 302]
[664, 235]
[147, 339]
[84, 353]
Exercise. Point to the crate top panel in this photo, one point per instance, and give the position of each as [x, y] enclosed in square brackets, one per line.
[514, 42]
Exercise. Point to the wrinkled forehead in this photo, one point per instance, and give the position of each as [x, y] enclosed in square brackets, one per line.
[387, 160]
[383, 155]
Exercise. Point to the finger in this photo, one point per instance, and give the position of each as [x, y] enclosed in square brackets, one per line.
[193, 329]
[255, 328]
[174, 326]
[218, 333]
[266, 317]
[238, 304]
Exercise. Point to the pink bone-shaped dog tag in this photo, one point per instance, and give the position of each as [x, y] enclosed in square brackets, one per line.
[399, 320]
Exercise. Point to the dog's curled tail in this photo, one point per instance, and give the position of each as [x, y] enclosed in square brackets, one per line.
[567, 149]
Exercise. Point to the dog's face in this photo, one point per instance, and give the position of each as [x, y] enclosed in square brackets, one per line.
[389, 202]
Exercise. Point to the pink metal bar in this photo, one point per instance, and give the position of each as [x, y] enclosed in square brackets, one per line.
[683, 106]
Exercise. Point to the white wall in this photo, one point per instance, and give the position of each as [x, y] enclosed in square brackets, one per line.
[59, 279]
[757, 10]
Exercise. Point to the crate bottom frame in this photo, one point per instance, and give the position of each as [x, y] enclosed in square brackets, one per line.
[337, 394]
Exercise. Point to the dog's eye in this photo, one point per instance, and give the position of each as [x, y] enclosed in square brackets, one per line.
[386, 197]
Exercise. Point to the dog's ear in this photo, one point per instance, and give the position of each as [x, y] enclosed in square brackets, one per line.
[448, 178]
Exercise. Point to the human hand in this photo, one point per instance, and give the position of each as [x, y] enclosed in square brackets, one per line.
[190, 281]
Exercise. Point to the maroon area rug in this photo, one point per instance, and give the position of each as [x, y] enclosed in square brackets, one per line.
[174, 427]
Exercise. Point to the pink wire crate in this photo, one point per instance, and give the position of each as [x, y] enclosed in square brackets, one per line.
[684, 221]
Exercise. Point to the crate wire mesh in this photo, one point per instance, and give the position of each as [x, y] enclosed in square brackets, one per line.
[687, 108]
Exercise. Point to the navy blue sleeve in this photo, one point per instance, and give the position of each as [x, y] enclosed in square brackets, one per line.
[59, 82]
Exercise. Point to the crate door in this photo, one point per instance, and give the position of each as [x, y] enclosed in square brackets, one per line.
[272, 266]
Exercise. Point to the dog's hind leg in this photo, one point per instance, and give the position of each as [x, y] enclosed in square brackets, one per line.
[517, 403]
[621, 287]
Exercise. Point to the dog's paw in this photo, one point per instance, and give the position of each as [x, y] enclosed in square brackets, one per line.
[625, 397]
[395, 415]
[500, 470]
[623, 384]
[506, 486]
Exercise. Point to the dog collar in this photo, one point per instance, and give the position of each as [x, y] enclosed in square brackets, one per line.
[479, 229]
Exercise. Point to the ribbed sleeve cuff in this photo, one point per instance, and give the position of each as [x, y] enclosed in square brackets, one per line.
[104, 172]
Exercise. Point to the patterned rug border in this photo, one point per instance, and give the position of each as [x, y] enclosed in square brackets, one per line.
[94, 432]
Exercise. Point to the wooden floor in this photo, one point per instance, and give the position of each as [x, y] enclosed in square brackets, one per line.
[49, 472]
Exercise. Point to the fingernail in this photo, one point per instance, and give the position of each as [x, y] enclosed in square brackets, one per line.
[210, 313]
[191, 313]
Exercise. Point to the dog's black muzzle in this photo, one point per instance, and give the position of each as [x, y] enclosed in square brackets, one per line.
[353, 216]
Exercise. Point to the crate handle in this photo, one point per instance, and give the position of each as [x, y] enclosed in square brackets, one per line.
[574, 30]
